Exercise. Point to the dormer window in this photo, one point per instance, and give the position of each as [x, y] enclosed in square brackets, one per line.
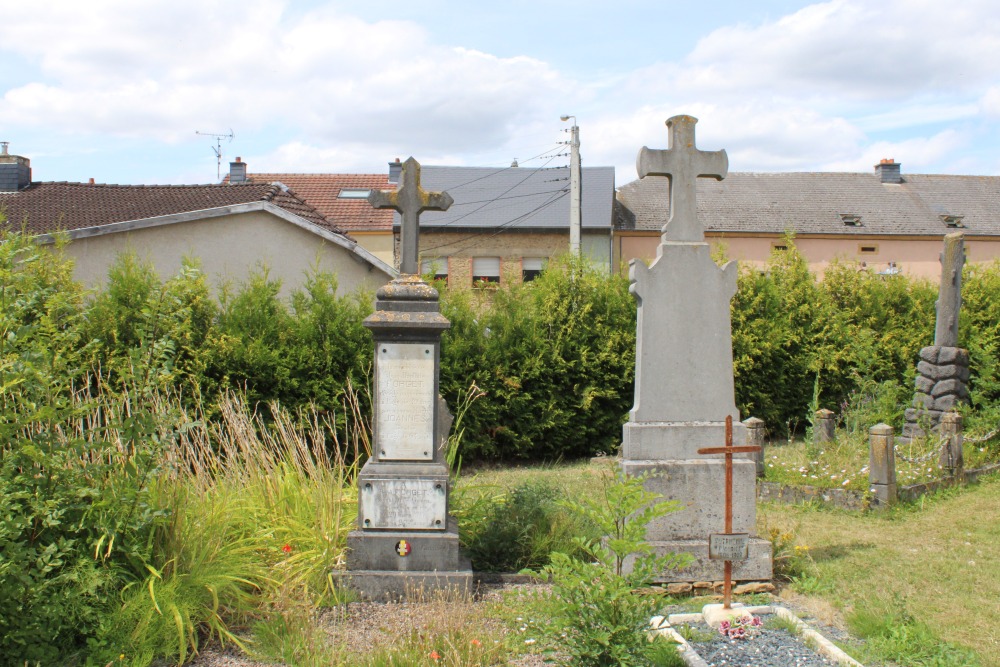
[851, 219]
[353, 193]
[952, 220]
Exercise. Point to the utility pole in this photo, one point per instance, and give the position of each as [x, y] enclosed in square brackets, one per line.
[574, 187]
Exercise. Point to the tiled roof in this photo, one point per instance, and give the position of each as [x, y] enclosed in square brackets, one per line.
[323, 190]
[517, 197]
[49, 207]
[814, 203]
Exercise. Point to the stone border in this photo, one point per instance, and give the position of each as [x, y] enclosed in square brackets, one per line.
[663, 626]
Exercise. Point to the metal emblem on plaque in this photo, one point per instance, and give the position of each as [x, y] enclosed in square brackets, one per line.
[412, 504]
[404, 375]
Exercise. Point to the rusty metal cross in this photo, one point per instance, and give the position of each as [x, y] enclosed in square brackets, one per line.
[410, 200]
[729, 450]
[684, 164]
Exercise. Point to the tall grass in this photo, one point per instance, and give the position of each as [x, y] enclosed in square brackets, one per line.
[256, 513]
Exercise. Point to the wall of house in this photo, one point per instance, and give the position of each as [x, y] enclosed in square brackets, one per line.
[229, 247]
[913, 256]
[379, 244]
[459, 249]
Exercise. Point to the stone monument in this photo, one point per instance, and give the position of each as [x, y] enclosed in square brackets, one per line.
[406, 541]
[943, 370]
[684, 376]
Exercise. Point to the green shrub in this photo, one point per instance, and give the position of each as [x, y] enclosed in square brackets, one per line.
[521, 530]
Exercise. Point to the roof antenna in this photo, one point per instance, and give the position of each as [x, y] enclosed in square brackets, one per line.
[217, 149]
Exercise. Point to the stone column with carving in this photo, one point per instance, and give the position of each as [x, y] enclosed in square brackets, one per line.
[406, 542]
[942, 380]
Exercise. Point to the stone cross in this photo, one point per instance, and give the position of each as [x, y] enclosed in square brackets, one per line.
[729, 450]
[683, 164]
[410, 200]
[950, 295]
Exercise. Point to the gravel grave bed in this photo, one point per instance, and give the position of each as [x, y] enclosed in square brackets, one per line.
[768, 648]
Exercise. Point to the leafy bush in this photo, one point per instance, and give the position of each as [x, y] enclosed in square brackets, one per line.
[521, 530]
[555, 357]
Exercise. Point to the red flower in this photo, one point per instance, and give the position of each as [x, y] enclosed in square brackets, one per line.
[287, 548]
[476, 642]
[435, 655]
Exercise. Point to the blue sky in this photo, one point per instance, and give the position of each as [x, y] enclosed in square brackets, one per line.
[115, 89]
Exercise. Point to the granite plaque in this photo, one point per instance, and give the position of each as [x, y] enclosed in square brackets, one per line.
[411, 504]
[405, 395]
[728, 546]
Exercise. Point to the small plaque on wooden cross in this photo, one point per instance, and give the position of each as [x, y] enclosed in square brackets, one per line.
[729, 540]
[729, 546]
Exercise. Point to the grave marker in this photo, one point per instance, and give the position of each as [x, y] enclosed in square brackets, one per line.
[406, 541]
[685, 397]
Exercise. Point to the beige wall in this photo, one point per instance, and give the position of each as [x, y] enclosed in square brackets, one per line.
[377, 243]
[228, 247]
[914, 256]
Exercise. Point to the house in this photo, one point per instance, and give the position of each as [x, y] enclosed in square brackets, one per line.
[340, 198]
[230, 228]
[887, 222]
[506, 223]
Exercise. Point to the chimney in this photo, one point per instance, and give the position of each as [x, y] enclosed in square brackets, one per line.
[888, 171]
[238, 171]
[15, 171]
[395, 170]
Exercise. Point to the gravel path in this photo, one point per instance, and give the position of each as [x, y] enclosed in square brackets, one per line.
[769, 648]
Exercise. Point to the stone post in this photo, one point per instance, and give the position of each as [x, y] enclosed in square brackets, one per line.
[882, 465]
[755, 438]
[824, 426]
[951, 453]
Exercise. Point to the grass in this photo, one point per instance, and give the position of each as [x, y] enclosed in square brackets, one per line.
[843, 462]
[928, 569]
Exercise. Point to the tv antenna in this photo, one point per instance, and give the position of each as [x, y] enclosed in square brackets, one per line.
[217, 149]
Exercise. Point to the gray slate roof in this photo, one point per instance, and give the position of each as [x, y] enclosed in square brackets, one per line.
[516, 198]
[813, 202]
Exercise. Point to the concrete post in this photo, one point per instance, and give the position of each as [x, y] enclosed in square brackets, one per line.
[755, 438]
[824, 426]
[951, 453]
[882, 465]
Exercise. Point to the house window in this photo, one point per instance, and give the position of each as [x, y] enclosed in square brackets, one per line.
[485, 270]
[437, 267]
[851, 219]
[354, 193]
[952, 220]
[779, 246]
[868, 249]
[531, 268]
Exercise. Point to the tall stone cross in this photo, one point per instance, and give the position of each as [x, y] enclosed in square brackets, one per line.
[683, 164]
[410, 200]
[729, 450]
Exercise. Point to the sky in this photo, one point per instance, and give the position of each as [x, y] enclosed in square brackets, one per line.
[116, 90]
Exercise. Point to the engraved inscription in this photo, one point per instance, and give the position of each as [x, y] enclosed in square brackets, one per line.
[405, 397]
[411, 504]
[728, 546]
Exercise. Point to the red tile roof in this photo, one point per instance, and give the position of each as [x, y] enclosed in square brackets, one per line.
[49, 207]
[323, 190]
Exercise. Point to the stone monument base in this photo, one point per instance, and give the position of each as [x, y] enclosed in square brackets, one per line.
[756, 568]
[941, 385]
[384, 586]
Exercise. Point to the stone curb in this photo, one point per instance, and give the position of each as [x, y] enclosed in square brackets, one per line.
[662, 626]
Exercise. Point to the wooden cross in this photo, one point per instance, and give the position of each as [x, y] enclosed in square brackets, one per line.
[410, 200]
[683, 164]
[729, 450]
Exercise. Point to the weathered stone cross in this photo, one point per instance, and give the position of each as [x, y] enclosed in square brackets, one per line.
[729, 450]
[410, 200]
[683, 163]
